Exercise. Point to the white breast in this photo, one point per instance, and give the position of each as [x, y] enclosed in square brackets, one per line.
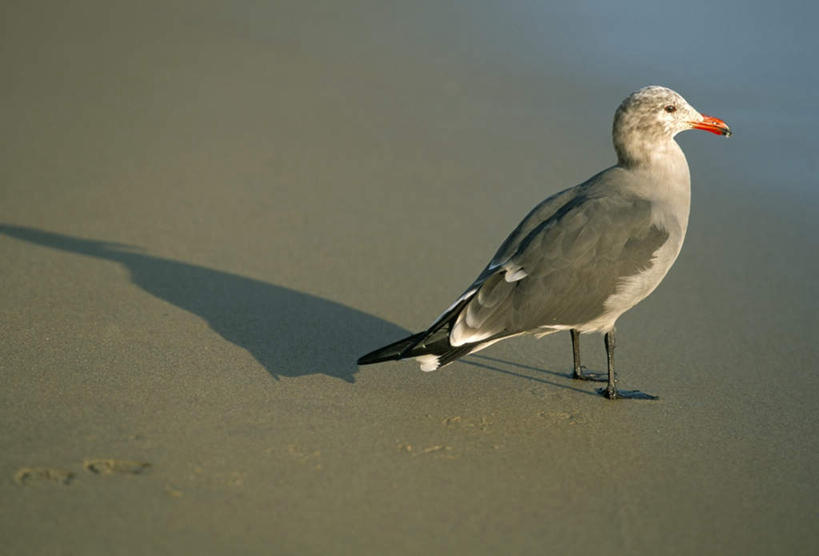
[671, 217]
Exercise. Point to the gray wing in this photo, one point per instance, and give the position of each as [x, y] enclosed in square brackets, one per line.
[542, 212]
[563, 268]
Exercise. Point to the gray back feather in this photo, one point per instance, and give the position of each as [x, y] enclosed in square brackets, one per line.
[574, 248]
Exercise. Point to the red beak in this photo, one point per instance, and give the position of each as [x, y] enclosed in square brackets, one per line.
[714, 125]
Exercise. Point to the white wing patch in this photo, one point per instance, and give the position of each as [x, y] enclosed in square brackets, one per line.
[428, 362]
[461, 334]
[514, 273]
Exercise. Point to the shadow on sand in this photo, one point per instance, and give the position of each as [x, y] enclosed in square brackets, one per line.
[289, 333]
[483, 362]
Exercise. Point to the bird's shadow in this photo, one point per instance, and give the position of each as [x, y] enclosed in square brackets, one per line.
[474, 360]
[624, 394]
[289, 333]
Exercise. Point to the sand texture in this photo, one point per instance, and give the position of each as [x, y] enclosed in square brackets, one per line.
[208, 211]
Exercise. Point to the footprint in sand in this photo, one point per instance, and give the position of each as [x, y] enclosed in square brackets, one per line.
[32, 476]
[115, 466]
[563, 417]
[437, 449]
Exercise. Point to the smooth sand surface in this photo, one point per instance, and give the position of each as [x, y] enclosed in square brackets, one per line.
[210, 210]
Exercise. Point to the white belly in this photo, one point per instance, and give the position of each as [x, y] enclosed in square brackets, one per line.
[633, 289]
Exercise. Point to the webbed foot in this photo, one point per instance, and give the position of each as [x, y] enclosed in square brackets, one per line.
[617, 394]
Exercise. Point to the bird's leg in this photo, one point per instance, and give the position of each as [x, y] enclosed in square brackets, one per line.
[578, 369]
[611, 390]
[581, 372]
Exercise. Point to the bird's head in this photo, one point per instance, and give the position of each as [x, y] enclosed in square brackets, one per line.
[652, 116]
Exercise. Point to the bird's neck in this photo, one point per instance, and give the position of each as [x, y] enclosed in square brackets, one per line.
[662, 177]
[662, 157]
[639, 148]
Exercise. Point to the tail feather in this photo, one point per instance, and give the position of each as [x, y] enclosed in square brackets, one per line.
[455, 352]
[394, 351]
[413, 346]
[433, 342]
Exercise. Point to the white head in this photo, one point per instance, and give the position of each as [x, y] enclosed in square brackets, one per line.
[648, 119]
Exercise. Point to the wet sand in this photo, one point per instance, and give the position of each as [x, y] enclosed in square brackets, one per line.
[207, 214]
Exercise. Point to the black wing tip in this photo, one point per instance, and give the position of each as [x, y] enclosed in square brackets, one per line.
[419, 344]
[392, 352]
[373, 357]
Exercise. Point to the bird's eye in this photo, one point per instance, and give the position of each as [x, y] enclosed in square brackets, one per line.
[670, 108]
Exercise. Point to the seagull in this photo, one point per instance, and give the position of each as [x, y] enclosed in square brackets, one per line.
[584, 256]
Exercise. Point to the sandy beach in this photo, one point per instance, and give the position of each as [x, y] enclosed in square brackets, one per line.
[208, 211]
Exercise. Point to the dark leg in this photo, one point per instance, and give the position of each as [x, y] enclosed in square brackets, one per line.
[611, 390]
[578, 369]
[580, 372]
